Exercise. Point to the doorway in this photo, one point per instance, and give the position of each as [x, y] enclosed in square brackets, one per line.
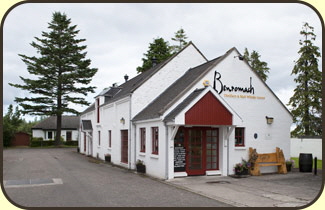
[201, 149]
[69, 135]
[124, 146]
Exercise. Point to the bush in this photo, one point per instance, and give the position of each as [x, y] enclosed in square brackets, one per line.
[37, 139]
[71, 143]
[39, 142]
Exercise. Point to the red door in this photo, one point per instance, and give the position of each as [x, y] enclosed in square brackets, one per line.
[201, 150]
[124, 146]
[195, 157]
[85, 140]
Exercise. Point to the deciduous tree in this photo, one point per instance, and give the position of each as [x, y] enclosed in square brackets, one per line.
[11, 121]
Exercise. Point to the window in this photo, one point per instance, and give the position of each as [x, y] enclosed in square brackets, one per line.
[97, 102]
[99, 138]
[109, 138]
[155, 140]
[212, 155]
[142, 139]
[239, 137]
[49, 135]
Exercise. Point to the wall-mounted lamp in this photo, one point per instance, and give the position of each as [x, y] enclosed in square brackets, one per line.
[240, 57]
[122, 120]
[269, 120]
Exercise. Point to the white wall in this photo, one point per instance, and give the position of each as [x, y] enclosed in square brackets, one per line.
[235, 72]
[87, 116]
[43, 134]
[38, 133]
[313, 146]
[110, 119]
[160, 81]
[155, 164]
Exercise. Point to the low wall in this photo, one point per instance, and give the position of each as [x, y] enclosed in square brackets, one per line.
[306, 145]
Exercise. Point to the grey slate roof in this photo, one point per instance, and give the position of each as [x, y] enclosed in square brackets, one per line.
[86, 125]
[131, 85]
[176, 90]
[89, 109]
[68, 122]
[183, 104]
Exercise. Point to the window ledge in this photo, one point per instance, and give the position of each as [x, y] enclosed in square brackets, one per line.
[142, 154]
[154, 156]
[240, 148]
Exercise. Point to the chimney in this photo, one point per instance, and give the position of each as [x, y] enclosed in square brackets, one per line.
[126, 77]
[154, 61]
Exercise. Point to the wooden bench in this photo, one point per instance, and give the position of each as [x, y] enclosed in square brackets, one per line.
[266, 159]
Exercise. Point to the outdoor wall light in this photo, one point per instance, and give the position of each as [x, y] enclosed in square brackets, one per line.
[122, 120]
[269, 120]
[240, 57]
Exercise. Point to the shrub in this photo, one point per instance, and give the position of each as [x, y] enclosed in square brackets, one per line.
[39, 142]
[71, 143]
[37, 139]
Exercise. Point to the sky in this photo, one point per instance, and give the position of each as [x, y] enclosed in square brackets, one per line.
[117, 36]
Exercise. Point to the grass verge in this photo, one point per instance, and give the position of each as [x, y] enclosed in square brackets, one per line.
[296, 159]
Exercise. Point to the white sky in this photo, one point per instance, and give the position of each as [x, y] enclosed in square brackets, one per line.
[118, 35]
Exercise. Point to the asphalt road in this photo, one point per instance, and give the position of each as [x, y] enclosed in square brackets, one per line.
[81, 182]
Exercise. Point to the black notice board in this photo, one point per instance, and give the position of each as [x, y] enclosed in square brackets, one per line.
[179, 158]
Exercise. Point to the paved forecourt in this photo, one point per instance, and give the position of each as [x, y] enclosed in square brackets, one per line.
[61, 177]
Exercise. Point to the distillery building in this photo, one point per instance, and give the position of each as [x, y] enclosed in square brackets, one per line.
[187, 116]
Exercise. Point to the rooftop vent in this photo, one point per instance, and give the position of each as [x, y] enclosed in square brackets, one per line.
[154, 61]
[126, 77]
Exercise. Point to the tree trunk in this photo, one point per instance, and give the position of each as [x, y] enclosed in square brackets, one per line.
[58, 129]
[307, 103]
[58, 111]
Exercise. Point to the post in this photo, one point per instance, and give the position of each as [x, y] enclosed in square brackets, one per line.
[315, 166]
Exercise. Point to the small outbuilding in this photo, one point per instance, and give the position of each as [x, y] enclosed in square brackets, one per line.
[46, 129]
[20, 139]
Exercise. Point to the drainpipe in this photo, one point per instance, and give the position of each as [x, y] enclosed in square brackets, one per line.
[167, 152]
[135, 142]
[130, 126]
[227, 151]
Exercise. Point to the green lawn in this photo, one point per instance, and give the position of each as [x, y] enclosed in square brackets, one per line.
[319, 163]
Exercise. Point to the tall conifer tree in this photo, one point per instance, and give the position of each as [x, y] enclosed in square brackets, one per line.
[259, 66]
[159, 50]
[307, 99]
[62, 72]
[180, 38]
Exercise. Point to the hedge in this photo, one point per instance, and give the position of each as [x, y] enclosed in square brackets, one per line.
[39, 142]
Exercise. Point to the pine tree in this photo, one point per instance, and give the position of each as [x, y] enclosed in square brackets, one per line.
[158, 51]
[259, 66]
[62, 72]
[180, 38]
[307, 99]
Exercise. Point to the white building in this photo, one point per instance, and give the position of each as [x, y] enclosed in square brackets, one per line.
[46, 129]
[187, 116]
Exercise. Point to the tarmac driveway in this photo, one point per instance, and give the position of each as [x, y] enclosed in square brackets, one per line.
[65, 178]
[294, 189]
